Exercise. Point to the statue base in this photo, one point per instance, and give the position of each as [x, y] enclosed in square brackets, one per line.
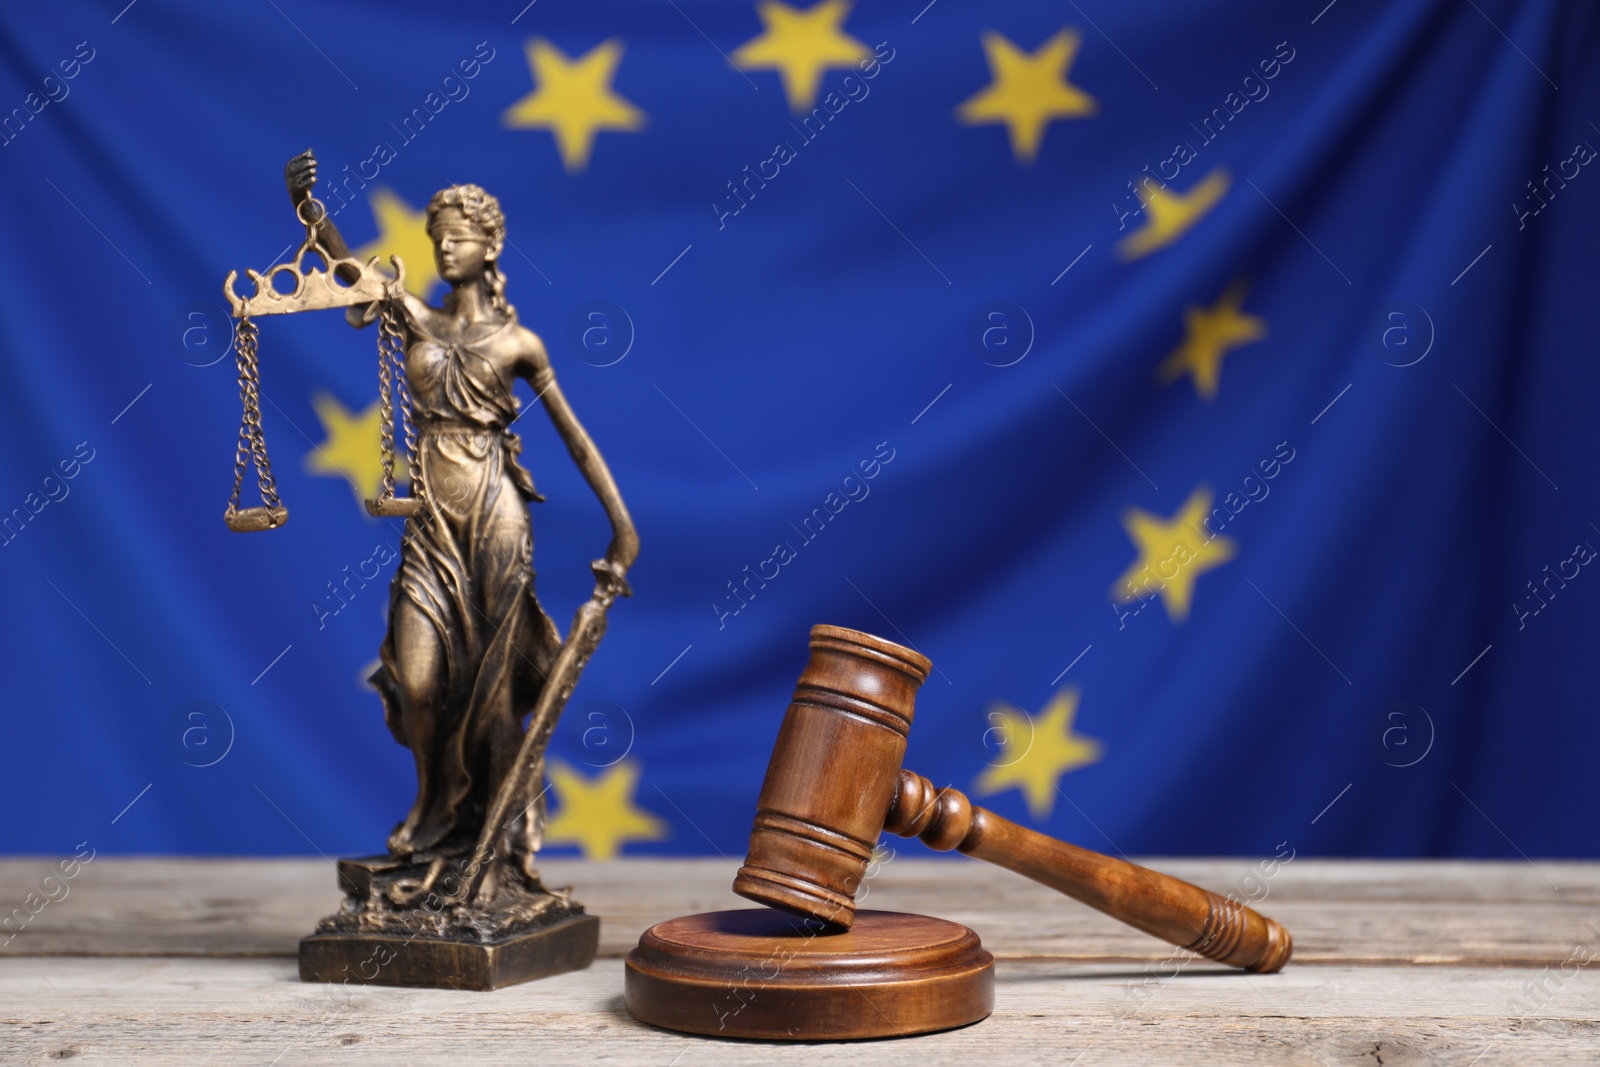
[521, 933]
[386, 959]
[764, 974]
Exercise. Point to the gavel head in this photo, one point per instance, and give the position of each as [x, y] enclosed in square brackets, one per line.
[833, 775]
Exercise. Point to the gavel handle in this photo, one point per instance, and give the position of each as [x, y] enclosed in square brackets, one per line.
[1166, 907]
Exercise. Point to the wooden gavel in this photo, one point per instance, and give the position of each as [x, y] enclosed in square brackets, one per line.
[835, 781]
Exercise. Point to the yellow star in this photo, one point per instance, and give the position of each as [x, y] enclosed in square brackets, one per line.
[1029, 91]
[1036, 752]
[801, 45]
[402, 232]
[597, 814]
[574, 99]
[1172, 554]
[1169, 215]
[351, 448]
[1209, 334]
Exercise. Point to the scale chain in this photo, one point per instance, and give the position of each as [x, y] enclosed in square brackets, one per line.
[385, 406]
[389, 329]
[252, 441]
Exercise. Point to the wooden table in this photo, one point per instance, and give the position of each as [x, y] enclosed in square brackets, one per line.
[154, 961]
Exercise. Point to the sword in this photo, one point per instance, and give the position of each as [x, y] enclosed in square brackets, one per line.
[588, 626]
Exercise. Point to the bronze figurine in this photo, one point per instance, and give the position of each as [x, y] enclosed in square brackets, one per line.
[469, 654]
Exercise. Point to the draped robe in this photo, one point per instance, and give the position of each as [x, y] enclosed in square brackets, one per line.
[467, 567]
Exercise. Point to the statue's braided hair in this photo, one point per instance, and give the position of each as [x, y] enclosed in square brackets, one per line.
[483, 211]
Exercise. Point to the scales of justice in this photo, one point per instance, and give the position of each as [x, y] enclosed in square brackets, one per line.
[473, 673]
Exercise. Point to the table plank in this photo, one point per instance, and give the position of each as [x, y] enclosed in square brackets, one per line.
[1339, 911]
[160, 1011]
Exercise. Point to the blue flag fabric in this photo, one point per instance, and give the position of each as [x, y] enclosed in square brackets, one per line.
[1207, 389]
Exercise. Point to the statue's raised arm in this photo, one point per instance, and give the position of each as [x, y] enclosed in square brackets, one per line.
[300, 176]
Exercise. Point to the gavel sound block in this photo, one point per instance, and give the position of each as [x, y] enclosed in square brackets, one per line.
[834, 783]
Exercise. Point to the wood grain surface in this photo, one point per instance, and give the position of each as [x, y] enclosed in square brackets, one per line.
[1411, 962]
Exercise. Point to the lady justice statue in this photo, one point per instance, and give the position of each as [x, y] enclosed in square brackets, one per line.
[469, 654]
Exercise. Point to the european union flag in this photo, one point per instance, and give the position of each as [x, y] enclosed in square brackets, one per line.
[1207, 389]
